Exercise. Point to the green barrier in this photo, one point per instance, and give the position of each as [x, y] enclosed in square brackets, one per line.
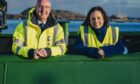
[71, 69]
[1, 73]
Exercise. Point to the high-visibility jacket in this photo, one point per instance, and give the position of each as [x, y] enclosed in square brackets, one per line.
[29, 36]
[90, 39]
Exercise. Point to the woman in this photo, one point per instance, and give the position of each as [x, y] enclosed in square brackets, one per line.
[96, 37]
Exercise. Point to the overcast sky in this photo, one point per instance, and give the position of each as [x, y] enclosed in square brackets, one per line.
[123, 7]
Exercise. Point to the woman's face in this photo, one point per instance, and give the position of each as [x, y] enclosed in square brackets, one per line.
[96, 19]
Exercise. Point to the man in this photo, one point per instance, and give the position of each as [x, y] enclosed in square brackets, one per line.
[39, 36]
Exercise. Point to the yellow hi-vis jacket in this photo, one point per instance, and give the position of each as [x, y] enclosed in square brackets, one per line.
[90, 39]
[29, 36]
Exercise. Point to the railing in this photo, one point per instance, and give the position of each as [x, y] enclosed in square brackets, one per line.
[70, 69]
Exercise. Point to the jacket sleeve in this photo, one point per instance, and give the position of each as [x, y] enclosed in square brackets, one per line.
[19, 47]
[60, 45]
[114, 49]
[79, 48]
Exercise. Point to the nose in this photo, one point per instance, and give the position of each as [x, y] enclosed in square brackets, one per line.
[96, 20]
[43, 9]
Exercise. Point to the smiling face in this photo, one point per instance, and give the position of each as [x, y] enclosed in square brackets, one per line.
[96, 19]
[43, 8]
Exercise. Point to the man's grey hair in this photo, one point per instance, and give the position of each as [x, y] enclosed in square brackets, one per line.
[38, 1]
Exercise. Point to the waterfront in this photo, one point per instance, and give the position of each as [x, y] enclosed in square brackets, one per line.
[74, 25]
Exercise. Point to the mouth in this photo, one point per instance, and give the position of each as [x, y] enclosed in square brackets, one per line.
[96, 24]
[43, 14]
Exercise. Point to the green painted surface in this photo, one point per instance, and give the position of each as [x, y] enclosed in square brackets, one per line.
[72, 69]
[1, 72]
[72, 58]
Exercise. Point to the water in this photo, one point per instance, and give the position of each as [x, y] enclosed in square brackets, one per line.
[123, 26]
[11, 26]
[74, 26]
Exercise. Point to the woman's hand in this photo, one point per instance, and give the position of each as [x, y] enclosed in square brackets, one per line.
[101, 52]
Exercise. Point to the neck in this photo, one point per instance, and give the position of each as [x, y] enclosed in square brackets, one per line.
[42, 21]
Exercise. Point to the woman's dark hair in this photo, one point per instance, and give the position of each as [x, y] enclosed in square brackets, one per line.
[98, 8]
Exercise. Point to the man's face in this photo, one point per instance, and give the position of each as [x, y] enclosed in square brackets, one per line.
[43, 8]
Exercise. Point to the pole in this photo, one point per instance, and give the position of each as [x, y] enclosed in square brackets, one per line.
[65, 25]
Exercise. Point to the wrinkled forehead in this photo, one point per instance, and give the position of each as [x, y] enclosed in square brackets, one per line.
[44, 1]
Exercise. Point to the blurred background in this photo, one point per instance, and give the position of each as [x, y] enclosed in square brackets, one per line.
[124, 11]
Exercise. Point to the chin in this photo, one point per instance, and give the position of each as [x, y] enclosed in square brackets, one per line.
[43, 17]
[97, 27]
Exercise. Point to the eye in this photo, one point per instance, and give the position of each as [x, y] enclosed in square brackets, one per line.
[99, 18]
[47, 7]
[93, 19]
[39, 6]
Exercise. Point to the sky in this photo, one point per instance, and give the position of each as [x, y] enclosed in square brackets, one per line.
[129, 8]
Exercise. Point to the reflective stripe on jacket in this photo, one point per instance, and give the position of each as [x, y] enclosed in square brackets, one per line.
[29, 36]
[90, 39]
